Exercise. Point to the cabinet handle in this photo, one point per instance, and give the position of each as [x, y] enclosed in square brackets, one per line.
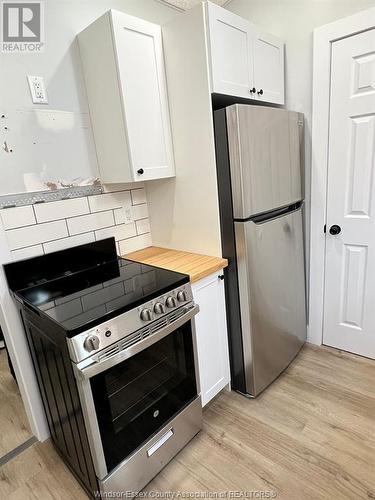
[253, 90]
[260, 92]
[140, 171]
[221, 276]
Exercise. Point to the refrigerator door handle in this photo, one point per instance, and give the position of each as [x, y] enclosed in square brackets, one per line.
[275, 214]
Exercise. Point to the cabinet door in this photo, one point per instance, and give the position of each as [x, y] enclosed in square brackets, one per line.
[212, 340]
[269, 68]
[139, 53]
[231, 54]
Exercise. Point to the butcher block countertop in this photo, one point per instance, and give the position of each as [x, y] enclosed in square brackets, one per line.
[195, 265]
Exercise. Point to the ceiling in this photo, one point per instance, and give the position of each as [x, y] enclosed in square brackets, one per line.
[187, 4]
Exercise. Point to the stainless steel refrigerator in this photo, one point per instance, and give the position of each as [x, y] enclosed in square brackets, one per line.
[259, 153]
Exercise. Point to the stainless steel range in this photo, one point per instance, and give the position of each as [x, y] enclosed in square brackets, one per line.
[113, 343]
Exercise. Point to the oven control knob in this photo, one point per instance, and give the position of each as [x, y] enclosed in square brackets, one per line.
[91, 343]
[146, 315]
[171, 302]
[159, 308]
[181, 296]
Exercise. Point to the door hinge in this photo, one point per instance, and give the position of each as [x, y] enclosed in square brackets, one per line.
[325, 228]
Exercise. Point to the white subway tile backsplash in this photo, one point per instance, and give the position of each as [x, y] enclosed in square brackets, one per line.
[62, 209]
[136, 243]
[119, 232]
[18, 217]
[38, 233]
[27, 253]
[138, 196]
[123, 215]
[109, 201]
[119, 216]
[71, 241]
[86, 223]
[140, 211]
[143, 226]
[36, 229]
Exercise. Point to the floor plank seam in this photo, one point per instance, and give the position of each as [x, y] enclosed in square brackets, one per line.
[17, 451]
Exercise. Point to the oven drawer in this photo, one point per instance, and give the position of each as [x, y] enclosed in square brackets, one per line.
[138, 470]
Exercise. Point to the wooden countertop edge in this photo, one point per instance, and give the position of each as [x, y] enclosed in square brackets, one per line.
[209, 270]
[197, 266]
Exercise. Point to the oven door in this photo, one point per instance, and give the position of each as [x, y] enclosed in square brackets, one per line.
[129, 394]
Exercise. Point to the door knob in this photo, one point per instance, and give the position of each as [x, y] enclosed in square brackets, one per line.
[335, 229]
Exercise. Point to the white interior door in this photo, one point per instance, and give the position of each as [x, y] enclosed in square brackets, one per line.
[349, 305]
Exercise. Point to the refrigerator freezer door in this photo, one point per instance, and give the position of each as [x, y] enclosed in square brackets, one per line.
[270, 259]
[265, 151]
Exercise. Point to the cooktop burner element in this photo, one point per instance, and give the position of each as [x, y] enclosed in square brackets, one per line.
[79, 300]
[80, 297]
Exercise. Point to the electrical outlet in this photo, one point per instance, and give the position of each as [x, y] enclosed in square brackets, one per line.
[128, 215]
[37, 89]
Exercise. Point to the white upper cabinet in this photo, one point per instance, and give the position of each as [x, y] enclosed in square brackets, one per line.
[231, 55]
[269, 68]
[243, 62]
[123, 64]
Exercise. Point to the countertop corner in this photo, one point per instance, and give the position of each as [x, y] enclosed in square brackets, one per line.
[197, 266]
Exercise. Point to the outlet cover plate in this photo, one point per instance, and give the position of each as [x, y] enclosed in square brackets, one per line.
[37, 89]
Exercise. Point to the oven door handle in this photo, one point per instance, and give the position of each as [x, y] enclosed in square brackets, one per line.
[93, 366]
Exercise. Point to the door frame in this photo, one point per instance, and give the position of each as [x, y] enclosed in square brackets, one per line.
[323, 37]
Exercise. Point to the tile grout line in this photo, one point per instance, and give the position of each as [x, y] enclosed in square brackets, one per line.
[17, 451]
[37, 223]
[67, 227]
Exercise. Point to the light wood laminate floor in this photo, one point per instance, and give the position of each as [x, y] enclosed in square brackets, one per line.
[311, 435]
[14, 426]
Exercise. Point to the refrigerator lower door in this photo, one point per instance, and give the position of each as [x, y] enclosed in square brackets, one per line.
[270, 260]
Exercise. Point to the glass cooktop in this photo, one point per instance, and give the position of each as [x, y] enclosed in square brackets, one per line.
[80, 300]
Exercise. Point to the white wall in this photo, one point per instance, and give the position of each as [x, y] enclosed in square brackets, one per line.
[184, 211]
[60, 65]
[56, 142]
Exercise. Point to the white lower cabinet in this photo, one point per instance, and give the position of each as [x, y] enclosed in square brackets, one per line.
[212, 339]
